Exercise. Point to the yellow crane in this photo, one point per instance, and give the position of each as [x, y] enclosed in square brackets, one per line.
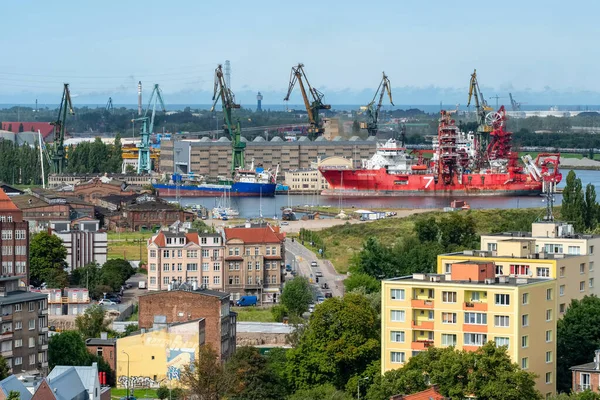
[481, 106]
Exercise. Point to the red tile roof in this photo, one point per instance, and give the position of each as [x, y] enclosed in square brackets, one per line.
[6, 203]
[159, 240]
[44, 127]
[266, 234]
[430, 394]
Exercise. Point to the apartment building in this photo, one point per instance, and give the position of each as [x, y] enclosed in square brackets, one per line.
[254, 260]
[586, 377]
[517, 257]
[84, 241]
[554, 237]
[213, 158]
[190, 257]
[14, 240]
[467, 307]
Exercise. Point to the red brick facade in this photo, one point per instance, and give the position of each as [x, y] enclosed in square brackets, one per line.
[14, 239]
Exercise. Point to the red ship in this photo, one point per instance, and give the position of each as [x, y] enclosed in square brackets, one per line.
[456, 167]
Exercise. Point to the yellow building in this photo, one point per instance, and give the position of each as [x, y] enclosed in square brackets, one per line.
[310, 180]
[517, 257]
[151, 357]
[466, 308]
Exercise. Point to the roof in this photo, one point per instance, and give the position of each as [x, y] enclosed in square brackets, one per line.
[101, 342]
[6, 203]
[10, 189]
[587, 367]
[430, 394]
[20, 296]
[266, 234]
[67, 385]
[44, 127]
[508, 281]
[13, 383]
[88, 374]
[26, 201]
[203, 292]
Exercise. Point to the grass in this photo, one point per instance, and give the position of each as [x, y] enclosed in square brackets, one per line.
[117, 393]
[127, 251]
[128, 236]
[254, 314]
[343, 241]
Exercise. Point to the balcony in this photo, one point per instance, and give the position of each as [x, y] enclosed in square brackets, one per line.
[6, 336]
[475, 306]
[7, 317]
[475, 328]
[44, 346]
[6, 353]
[44, 329]
[583, 388]
[421, 344]
[424, 325]
[43, 311]
[417, 303]
[471, 348]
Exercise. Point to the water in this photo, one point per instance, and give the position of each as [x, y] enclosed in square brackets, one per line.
[250, 207]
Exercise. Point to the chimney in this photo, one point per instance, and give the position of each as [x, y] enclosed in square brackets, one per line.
[103, 335]
[597, 360]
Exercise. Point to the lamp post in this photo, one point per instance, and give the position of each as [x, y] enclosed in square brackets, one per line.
[366, 378]
[123, 351]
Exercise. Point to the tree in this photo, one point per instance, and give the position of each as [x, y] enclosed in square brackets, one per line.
[67, 348]
[427, 229]
[162, 392]
[573, 207]
[115, 272]
[361, 280]
[129, 329]
[297, 295]
[13, 395]
[582, 321]
[4, 368]
[341, 340]
[91, 323]
[326, 391]
[254, 377]
[206, 378]
[47, 257]
[374, 259]
[591, 207]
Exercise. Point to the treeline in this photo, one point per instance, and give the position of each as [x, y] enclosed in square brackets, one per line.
[95, 157]
[21, 164]
[578, 206]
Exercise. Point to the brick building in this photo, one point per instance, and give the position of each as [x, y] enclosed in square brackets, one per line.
[587, 376]
[98, 187]
[105, 348]
[14, 240]
[185, 304]
[147, 212]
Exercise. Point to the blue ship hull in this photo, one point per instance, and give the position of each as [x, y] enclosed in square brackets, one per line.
[238, 189]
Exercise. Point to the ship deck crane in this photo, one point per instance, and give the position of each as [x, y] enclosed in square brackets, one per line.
[222, 92]
[58, 148]
[144, 162]
[372, 111]
[312, 104]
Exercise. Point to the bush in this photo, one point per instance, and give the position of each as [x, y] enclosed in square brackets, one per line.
[279, 312]
[162, 392]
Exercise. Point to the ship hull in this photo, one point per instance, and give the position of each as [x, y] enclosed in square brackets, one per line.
[378, 183]
[238, 189]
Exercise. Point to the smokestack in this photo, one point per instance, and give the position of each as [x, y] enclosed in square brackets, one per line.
[597, 360]
[139, 98]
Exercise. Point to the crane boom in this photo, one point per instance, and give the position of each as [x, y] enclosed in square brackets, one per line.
[373, 112]
[222, 92]
[58, 151]
[144, 161]
[481, 105]
[312, 104]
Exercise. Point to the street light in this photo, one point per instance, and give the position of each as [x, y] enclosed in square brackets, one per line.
[366, 378]
[123, 351]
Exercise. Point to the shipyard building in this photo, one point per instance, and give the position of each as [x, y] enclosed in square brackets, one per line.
[213, 158]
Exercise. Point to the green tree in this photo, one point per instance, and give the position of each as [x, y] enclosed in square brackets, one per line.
[582, 321]
[206, 377]
[297, 295]
[162, 392]
[458, 231]
[47, 256]
[320, 392]
[115, 273]
[89, 276]
[573, 207]
[4, 368]
[341, 340]
[427, 229]
[361, 280]
[116, 154]
[13, 395]
[591, 207]
[129, 329]
[374, 259]
[92, 322]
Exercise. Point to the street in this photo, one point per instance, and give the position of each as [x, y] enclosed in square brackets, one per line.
[299, 257]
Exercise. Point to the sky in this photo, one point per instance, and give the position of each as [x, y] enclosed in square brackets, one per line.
[544, 52]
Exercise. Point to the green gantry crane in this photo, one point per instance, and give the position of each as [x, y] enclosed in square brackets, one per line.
[58, 148]
[221, 91]
[144, 162]
[371, 111]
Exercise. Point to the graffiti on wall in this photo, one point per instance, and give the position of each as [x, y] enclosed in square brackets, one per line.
[177, 359]
[137, 381]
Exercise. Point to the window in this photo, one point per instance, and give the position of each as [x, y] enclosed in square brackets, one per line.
[165, 280]
[548, 294]
[561, 290]
[562, 272]
[31, 342]
[216, 266]
[18, 325]
[447, 268]
[18, 343]
[584, 381]
[257, 266]
[448, 339]
[397, 294]
[397, 357]
[548, 335]
[492, 246]
[582, 268]
[152, 267]
[397, 337]
[205, 253]
[32, 359]
[499, 270]
[179, 267]
[249, 265]
[591, 250]
[542, 272]
[31, 324]
[398, 315]
[166, 253]
[166, 267]
[582, 286]
[524, 363]
[152, 253]
[216, 253]
[31, 306]
[591, 282]
[548, 377]
[475, 318]
[205, 267]
[153, 280]
[192, 267]
[203, 240]
[216, 280]
[520, 270]
[215, 240]
[553, 248]
[574, 250]
[502, 299]
[449, 297]
[525, 298]
[179, 253]
[192, 253]
[501, 321]
[525, 320]
[18, 360]
[268, 251]
[250, 280]
[448, 318]
[561, 308]
[502, 341]
[548, 357]
[548, 315]
[524, 341]
[205, 280]
[591, 264]
[20, 234]
[475, 339]
[256, 251]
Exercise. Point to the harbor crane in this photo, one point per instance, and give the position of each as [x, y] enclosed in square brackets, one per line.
[312, 104]
[222, 92]
[481, 106]
[144, 162]
[109, 105]
[514, 104]
[58, 147]
[372, 111]
[497, 98]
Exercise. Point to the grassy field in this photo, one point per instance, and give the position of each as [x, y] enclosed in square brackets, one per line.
[254, 314]
[126, 245]
[343, 241]
[128, 235]
[117, 393]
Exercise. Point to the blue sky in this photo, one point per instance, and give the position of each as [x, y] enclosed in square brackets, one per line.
[544, 51]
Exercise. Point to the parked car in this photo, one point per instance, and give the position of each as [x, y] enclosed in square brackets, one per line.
[115, 300]
[107, 302]
[328, 295]
[318, 274]
[314, 264]
[288, 268]
[311, 308]
[294, 273]
[247, 301]
[283, 223]
[325, 286]
[142, 285]
[320, 299]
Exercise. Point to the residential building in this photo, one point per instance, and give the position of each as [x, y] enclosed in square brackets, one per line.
[213, 158]
[105, 348]
[87, 374]
[84, 241]
[517, 257]
[182, 304]
[191, 257]
[13, 384]
[467, 307]
[587, 376]
[432, 393]
[66, 386]
[310, 180]
[554, 237]
[73, 301]
[14, 240]
[152, 355]
[255, 259]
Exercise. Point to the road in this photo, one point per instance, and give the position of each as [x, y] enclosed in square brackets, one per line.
[299, 257]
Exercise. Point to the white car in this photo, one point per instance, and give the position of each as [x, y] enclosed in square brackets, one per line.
[311, 308]
[107, 302]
